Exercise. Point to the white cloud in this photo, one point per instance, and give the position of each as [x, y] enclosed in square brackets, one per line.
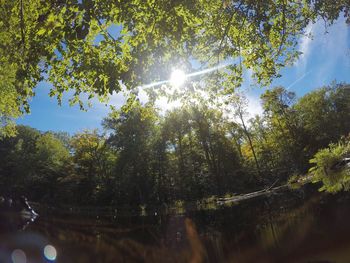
[117, 99]
[305, 44]
[254, 106]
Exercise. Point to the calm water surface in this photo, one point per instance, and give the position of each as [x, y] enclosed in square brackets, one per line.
[279, 228]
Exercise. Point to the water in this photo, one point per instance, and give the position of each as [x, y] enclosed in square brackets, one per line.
[281, 228]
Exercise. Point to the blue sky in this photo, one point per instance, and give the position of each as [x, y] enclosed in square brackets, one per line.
[325, 58]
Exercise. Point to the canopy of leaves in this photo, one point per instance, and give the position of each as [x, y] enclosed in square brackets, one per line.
[93, 46]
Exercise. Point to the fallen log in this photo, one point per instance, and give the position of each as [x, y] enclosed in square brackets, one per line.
[267, 191]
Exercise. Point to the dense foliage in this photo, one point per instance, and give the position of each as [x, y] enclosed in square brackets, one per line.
[95, 46]
[332, 167]
[189, 153]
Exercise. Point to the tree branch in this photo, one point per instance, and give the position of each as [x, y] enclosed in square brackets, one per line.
[22, 25]
[283, 30]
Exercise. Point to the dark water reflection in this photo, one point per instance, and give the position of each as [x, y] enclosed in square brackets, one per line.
[281, 228]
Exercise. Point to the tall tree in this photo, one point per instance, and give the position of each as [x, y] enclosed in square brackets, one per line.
[93, 160]
[131, 137]
[50, 160]
[240, 104]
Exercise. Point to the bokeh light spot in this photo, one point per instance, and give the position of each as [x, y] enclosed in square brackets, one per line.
[50, 252]
[18, 256]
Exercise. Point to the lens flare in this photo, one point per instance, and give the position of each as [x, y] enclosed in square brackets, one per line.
[178, 77]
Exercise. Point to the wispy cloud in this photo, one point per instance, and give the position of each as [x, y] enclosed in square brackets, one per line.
[330, 43]
[298, 79]
[332, 48]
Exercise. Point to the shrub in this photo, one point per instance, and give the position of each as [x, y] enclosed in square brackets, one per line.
[328, 168]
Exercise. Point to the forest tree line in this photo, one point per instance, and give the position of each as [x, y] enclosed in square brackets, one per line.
[188, 153]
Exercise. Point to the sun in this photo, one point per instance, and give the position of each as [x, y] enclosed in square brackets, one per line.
[177, 78]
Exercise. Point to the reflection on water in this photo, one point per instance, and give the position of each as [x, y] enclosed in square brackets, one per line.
[281, 228]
